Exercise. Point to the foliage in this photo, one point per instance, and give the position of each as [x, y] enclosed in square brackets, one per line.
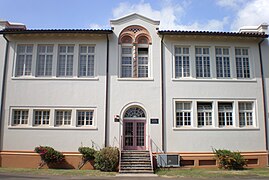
[48, 155]
[88, 154]
[229, 160]
[107, 159]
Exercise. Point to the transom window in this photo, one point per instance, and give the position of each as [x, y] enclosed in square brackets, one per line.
[183, 114]
[135, 112]
[63, 117]
[65, 61]
[182, 62]
[202, 57]
[242, 63]
[225, 114]
[24, 60]
[41, 117]
[85, 118]
[204, 113]
[245, 114]
[44, 60]
[223, 62]
[86, 61]
[20, 117]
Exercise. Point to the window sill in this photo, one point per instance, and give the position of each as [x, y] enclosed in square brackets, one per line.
[135, 79]
[57, 78]
[215, 129]
[214, 80]
[53, 128]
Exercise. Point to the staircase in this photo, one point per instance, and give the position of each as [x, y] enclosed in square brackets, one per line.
[136, 162]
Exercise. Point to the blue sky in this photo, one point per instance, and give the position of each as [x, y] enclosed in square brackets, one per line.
[214, 15]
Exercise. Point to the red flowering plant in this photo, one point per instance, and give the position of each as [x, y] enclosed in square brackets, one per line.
[48, 155]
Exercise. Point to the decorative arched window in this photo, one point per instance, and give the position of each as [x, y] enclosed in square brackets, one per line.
[135, 112]
[134, 41]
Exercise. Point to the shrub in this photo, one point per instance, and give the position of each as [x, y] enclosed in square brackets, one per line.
[48, 155]
[107, 159]
[229, 160]
[87, 155]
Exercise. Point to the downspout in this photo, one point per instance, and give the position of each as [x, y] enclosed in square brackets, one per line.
[162, 89]
[107, 85]
[3, 91]
[264, 98]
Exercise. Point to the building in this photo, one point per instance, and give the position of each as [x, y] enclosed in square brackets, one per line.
[135, 87]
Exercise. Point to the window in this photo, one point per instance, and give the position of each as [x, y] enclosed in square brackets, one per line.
[86, 61]
[183, 114]
[225, 114]
[63, 117]
[143, 62]
[204, 113]
[24, 60]
[242, 63]
[20, 117]
[202, 57]
[44, 60]
[41, 117]
[126, 62]
[223, 62]
[85, 118]
[245, 114]
[65, 61]
[182, 62]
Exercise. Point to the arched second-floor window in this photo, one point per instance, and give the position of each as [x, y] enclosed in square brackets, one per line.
[134, 42]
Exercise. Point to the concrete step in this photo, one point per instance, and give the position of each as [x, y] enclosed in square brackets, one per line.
[136, 163]
[136, 171]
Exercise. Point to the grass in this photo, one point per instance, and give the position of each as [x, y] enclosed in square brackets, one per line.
[56, 172]
[213, 173]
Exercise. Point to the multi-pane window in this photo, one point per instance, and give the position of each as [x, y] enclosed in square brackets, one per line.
[20, 117]
[84, 118]
[204, 113]
[202, 57]
[183, 114]
[242, 63]
[24, 60]
[225, 110]
[245, 114]
[126, 62]
[182, 62]
[41, 117]
[143, 62]
[44, 60]
[63, 117]
[86, 61]
[65, 61]
[223, 62]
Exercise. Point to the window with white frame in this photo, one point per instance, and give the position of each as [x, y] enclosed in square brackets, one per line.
[242, 62]
[86, 60]
[204, 114]
[182, 62]
[202, 57]
[41, 117]
[24, 60]
[44, 60]
[63, 117]
[223, 62]
[85, 118]
[20, 117]
[225, 111]
[245, 114]
[183, 114]
[126, 62]
[143, 68]
[65, 60]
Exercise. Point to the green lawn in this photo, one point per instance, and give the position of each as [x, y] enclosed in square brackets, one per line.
[213, 173]
[63, 172]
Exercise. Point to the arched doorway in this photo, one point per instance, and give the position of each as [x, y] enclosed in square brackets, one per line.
[134, 129]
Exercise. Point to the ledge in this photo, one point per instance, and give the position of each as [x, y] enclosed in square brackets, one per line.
[216, 129]
[135, 79]
[52, 128]
[57, 78]
[213, 80]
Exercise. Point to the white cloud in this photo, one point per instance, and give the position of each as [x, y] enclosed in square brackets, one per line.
[98, 26]
[254, 13]
[230, 3]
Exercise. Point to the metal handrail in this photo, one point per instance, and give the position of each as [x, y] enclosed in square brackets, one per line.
[120, 150]
[150, 151]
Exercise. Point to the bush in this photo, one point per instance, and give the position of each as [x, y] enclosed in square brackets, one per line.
[230, 160]
[88, 154]
[107, 159]
[48, 155]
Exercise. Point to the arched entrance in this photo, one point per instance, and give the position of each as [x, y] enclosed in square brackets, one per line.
[134, 129]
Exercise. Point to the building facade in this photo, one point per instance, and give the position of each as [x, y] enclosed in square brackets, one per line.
[134, 87]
